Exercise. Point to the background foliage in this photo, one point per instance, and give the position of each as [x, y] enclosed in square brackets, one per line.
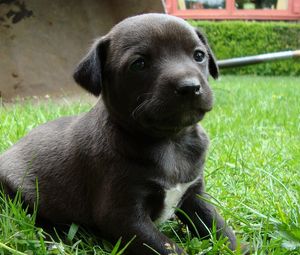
[230, 39]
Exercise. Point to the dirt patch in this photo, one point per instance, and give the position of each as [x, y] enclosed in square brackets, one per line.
[61, 99]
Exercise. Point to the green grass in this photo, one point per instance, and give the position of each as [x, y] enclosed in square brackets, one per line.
[252, 172]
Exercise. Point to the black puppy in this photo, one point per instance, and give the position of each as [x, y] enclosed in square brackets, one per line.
[139, 153]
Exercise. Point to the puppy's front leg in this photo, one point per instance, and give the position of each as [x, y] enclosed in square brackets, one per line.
[197, 208]
[145, 232]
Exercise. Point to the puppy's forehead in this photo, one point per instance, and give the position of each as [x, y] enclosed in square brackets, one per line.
[154, 28]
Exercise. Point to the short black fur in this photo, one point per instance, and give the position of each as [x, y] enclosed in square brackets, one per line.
[116, 167]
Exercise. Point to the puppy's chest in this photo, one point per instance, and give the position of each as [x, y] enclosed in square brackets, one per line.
[182, 168]
[173, 196]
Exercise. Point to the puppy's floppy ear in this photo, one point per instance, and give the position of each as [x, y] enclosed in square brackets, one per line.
[212, 63]
[89, 72]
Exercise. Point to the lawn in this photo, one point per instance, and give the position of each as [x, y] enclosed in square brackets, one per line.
[252, 172]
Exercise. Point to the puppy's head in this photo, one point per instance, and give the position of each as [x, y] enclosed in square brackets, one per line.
[152, 70]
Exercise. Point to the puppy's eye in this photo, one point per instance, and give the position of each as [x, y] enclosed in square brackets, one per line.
[199, 56]
[138, 65]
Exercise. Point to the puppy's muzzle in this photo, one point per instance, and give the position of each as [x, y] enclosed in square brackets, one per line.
[189, 87]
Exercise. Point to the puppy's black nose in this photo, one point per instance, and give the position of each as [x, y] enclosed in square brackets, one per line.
[188, 87]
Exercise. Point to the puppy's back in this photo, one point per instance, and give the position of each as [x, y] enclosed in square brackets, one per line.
[44, 158]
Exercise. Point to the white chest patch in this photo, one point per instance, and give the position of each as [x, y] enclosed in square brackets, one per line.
[172, 199]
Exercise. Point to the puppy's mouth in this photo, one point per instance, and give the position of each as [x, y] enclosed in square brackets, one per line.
[169, 115]
[172, 123]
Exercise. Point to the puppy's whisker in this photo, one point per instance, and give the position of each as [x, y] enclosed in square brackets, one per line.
[144, 95]
[140, 108]
[156, 105]
[148, 105]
